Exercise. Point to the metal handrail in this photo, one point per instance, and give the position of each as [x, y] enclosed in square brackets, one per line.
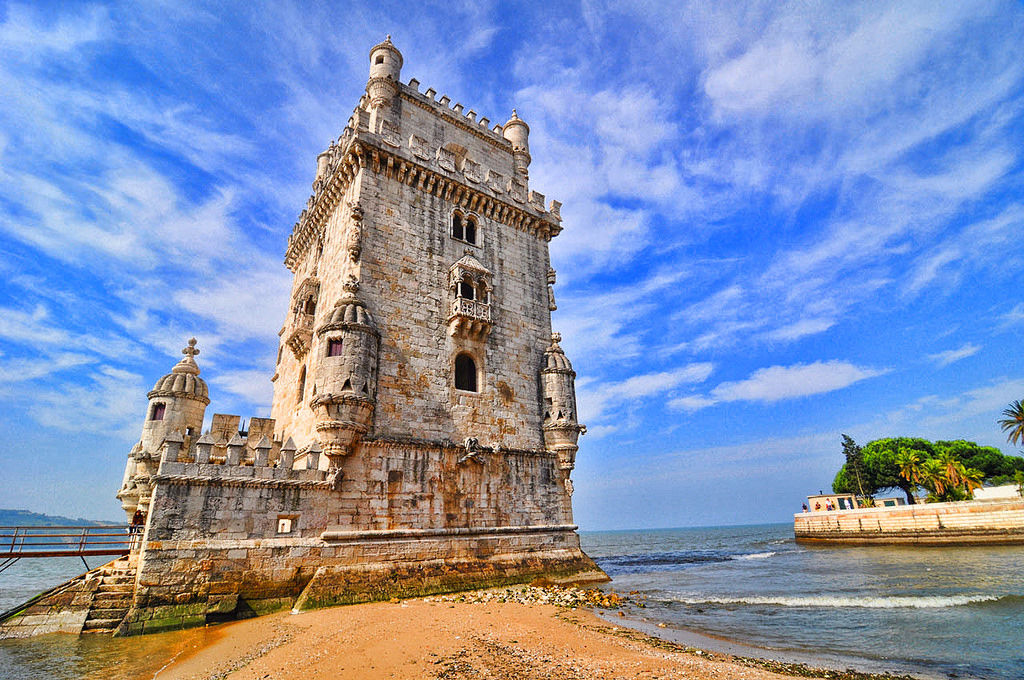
[64, 541]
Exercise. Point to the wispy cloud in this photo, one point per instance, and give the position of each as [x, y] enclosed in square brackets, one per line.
[776, 383]
[951, 356]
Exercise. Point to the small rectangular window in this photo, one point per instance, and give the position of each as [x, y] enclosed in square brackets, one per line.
[334, 348]
[158, 411]
[284, 525]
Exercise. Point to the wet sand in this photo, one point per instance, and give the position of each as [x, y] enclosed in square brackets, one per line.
[438, 639]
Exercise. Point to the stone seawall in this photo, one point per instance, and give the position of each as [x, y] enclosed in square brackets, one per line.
[192, 582]
[962, 523]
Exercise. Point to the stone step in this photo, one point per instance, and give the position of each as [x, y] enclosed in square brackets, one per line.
[127, 578]
[115, 587]
[112, 613]
[97, 625]
[121, 596]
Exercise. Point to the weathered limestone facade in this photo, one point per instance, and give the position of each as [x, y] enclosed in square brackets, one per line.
[424, 424]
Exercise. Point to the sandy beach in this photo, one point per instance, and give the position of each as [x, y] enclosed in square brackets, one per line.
[441, 639]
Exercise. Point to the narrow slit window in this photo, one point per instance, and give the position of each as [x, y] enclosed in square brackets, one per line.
[334, 348]
[465, 373]
[301, 392]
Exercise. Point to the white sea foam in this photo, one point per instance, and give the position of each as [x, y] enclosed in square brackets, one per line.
[836, 601]
[755, 556]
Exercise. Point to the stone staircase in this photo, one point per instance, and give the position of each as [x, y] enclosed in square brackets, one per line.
[112, 598]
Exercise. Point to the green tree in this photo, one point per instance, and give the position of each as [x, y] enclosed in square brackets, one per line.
[1013, 423]
[886, 464]
[854, 461]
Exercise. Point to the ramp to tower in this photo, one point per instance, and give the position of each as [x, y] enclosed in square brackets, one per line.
[93, 602]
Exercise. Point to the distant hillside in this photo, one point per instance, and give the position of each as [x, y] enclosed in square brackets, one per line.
[24, 518]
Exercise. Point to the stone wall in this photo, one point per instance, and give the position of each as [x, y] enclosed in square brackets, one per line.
[407, 518]
[961, 523]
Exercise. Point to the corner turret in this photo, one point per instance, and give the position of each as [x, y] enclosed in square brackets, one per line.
[177, 406]
[518, 133]
[385, 73]
[558, 385]
[346, 382]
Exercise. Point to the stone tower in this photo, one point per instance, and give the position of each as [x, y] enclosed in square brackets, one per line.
[420, 307]
[424, 423]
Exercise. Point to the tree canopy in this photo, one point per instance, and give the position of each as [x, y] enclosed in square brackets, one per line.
[885, 464]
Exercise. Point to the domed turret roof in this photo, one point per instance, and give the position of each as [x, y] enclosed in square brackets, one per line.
[387, 45]
[349, 310]
[183, 380]
[554, 357]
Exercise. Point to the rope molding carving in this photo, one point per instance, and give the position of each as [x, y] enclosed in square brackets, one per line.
[179, 480]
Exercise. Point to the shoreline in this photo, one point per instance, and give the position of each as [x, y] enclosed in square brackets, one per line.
[472, 635]
[802, 663]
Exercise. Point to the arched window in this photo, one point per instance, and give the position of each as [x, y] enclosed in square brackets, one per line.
[482, 295]
[158, 411]
[463, 228]
[457, 229]
[465, 373]
[466, 289]
[310, 306]
[301, 392]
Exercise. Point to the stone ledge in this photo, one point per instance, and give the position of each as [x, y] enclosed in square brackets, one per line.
[467, 532]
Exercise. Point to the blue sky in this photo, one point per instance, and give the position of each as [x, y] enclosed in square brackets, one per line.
[784, 221]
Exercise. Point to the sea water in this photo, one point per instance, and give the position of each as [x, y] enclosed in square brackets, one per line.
[69, 657]
[928, 611]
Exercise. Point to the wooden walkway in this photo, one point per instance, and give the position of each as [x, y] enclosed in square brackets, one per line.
[78, 541]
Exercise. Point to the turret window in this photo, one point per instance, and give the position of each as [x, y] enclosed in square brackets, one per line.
[158, 411]
[334, 348]
[465, 373]
[464, 228]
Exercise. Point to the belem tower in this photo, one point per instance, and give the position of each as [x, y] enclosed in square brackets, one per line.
[424, 425]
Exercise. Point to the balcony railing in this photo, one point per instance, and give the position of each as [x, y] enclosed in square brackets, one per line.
[471, 309]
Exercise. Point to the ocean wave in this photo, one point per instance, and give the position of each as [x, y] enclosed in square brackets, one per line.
[840, 602]
[755, 556]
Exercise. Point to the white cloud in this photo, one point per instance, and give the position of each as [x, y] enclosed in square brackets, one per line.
[800, 329]
[953, 355]
[783, 382]
[596, 400]
[1014, 316]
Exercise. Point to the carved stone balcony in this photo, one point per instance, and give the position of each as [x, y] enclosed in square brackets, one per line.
[301, 334]
[469, 318]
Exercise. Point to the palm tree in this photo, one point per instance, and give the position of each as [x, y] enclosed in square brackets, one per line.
[972, 479]
[933, 477]
[952, 467]
[909, 462]
[1013, 423]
